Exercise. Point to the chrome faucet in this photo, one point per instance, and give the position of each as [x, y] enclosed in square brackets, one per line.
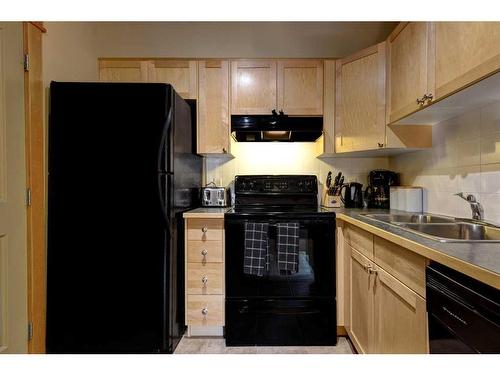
[475, 206]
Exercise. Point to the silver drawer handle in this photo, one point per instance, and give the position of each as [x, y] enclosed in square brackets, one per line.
[204, 280]
[204, 311]
[204, 252]
[204, 229]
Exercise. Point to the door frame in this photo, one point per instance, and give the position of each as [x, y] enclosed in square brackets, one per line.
[35, 184]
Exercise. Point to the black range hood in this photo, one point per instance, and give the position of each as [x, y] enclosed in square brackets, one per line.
[276, 128]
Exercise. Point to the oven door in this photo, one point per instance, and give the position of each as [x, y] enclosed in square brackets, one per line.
[316, 269]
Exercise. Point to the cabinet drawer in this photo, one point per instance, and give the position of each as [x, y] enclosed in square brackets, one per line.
[205, 310]
[204, 278]
[403, 264]
[359, 239]
[205, 229]
[212, 249]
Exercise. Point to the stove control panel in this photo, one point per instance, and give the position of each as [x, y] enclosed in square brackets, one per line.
[290, 184]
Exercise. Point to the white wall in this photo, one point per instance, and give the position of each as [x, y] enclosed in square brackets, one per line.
[287, 158]
[465, 157]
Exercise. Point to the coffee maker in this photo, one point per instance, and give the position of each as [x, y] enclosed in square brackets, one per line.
[377, 192]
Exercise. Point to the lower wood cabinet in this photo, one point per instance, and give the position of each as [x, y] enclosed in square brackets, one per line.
[400, 317]
[384, 314]
[361, 299]
[204, 278]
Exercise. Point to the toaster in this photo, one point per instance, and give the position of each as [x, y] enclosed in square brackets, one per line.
[214, 197]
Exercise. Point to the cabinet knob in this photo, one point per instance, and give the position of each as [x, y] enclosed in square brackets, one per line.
[204, 311]
[204, 229]
[428, 97]
[421, 101]
[224, 150]
[204, 280]
[372, 271]
[380, 144]
[204, 252]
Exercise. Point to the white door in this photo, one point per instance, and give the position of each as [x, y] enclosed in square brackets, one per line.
[13, 253]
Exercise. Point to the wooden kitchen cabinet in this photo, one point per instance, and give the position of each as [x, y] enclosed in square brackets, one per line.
[360, 100]
[181, 74]
[300, 87]
[123, 70]
[400, 318]
[213, 107]
[410, 66]
[204, 276]
[253, 87]
[466, 52]
[361, 300]
[385, 308]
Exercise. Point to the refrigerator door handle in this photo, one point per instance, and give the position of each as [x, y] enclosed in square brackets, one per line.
[161, 195]
[163, 140]
[161, 152]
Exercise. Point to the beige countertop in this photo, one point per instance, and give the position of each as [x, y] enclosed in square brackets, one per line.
[206, 213]
[475, 259]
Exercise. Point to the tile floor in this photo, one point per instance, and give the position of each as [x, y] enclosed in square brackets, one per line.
[216, 345]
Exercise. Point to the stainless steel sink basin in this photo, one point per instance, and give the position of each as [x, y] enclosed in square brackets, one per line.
[442, 228]
[410, 218]
[456, 232]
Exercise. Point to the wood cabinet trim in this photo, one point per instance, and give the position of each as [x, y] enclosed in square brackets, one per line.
[329, 134]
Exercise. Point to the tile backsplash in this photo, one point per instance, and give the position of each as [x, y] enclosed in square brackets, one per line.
[287, 158]
[465, 157]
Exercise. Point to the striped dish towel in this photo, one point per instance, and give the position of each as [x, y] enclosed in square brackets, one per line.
[288, 247]
[255, 260]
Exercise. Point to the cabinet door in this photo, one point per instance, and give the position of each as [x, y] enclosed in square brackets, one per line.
[360, 301]
[410, 68]
[300, 87]
[253, 86]
[400, 317]
[181, 74]
[213, 107]
[123, 71]
[360, 100]
[465, 53]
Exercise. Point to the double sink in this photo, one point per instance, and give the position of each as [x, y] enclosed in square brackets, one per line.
[442, 228]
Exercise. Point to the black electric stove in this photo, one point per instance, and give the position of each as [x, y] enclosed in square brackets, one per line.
[279, 307]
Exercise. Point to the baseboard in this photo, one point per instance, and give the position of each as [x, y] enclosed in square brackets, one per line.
[205, 331]
[341, 331]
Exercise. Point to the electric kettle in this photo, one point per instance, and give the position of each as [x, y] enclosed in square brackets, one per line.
[353, 195]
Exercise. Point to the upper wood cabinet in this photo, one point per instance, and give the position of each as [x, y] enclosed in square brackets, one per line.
[300, 87]
[123, 70]
[410, 69]
[253, 86]
[465, 53]
[293, 86]
[181, 74]
[360, 100]
[213, 107]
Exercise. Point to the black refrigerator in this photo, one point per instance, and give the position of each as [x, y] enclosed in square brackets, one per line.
[122, 169]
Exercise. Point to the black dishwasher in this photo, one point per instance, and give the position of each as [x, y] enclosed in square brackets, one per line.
[464, 314]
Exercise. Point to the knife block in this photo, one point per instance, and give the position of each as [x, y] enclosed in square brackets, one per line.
[332, 201]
